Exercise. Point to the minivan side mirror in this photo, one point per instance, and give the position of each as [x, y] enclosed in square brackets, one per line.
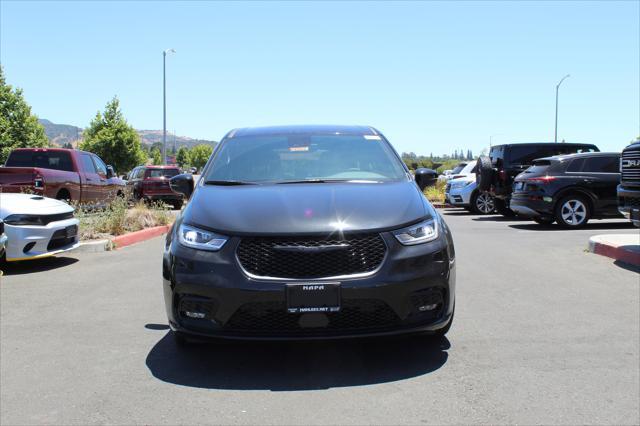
[110, 172]
[182, 184]
[425, 177]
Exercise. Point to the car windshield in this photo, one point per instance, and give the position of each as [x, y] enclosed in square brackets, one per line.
[458, 168]
[157, 173]
[305, 157]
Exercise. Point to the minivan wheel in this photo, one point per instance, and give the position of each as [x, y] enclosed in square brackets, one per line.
[542, 220]
[573, 212]
[482, 203]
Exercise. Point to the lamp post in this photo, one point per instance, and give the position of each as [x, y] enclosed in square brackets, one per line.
[164, 103]
[557, 88]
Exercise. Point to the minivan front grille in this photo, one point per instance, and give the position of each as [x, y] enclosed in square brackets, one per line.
[311, 257]
[630, 166]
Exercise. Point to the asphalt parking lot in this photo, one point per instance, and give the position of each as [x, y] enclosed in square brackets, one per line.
[545, 333]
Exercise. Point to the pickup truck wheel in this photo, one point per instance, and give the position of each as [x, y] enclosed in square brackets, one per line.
[63, 195]
[484, 177]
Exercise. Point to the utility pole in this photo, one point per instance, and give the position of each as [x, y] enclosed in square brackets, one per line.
[555, 139]
[164, 104]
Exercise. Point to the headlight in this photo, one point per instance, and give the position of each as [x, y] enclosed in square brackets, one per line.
[199, 239]
[417, 234]
[460, 183]
[23, 219]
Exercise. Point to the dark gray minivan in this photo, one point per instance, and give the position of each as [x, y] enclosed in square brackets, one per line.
[306, 232]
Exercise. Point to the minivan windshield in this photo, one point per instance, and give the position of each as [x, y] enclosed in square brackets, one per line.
[304, 157]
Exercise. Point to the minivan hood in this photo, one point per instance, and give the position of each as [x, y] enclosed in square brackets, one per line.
[305, 208]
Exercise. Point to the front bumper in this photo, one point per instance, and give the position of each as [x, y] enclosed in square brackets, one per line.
[629, 203]
[460, 196]
[241, 307]
[34, 242]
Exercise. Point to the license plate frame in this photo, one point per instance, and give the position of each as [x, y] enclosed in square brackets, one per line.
[308, 297]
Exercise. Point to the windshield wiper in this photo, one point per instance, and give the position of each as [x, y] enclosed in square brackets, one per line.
[306, 181]
[227, 182]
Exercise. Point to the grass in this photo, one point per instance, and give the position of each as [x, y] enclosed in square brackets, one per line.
[119, 218]
[435, 193]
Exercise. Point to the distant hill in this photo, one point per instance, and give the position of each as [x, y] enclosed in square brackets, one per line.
[61, 134]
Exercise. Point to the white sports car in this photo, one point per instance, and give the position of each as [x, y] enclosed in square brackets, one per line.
[37, 226]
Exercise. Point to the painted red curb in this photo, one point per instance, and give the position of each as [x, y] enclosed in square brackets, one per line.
[617, 253]
[139, 236]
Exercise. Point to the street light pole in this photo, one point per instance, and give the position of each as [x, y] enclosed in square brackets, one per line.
[164, 103]
[557, 88]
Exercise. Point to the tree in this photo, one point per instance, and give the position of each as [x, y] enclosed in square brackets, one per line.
[156, 156]
[182, 157]
[113, 139]
[18, 127]
[199, 155]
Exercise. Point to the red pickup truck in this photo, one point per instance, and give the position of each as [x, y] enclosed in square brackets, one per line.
[64, 174]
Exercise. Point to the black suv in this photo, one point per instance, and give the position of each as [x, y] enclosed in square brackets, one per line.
[497, 171]
[629, 189]
[307, 232]
[568, 189]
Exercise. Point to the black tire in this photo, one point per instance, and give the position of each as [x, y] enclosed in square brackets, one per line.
[501, 208]
[63, 195]
[482, 203]
[573, 211]
[177, 205]
[540, 220]
[484, 176]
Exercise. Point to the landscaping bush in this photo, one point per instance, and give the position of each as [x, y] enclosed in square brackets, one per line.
[119, 218]
[435, 193]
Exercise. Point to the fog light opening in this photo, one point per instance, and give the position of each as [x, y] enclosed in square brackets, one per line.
[425, 308]
[196, 315]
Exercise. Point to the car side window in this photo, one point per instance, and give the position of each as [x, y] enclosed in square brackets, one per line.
[100, 166]
[576, 165]
[607, 164]
[87, 163]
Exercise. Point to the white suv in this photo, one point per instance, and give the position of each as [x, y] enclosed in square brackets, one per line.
[462, 191]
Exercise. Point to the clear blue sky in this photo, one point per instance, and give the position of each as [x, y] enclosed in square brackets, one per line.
[432, 76]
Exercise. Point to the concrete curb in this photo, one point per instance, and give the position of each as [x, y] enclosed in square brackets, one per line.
[94, 246]
[602, 245]
[139, 236]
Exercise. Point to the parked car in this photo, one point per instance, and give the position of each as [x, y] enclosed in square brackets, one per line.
[3, 241]
[568, 189]
[151, 183]
[629, 189]
[37, 226]
[456, 170]
[307, 232]
[462, 191]
[63, 174]
[497, 171]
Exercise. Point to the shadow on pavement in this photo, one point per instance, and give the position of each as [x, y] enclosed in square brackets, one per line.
[627, 266]
[287, 366]
[589, 226]
[156, 326]
[36, 265]
[500, 218]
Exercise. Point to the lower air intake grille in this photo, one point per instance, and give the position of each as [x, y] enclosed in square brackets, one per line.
[272, 318]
